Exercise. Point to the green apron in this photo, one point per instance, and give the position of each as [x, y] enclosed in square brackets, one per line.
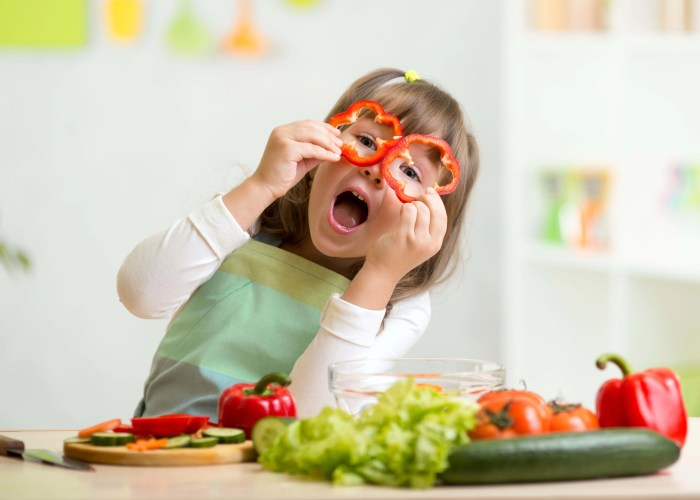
[257, 314]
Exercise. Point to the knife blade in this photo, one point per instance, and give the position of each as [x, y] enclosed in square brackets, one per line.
[15, 448]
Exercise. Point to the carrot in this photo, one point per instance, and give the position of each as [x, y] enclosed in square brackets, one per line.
[101, 427]
[147, 444]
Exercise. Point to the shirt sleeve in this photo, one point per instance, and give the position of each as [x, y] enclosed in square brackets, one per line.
[351, 332]
[163, 271]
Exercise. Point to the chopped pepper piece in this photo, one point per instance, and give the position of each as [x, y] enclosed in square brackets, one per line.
[651, 399]
[169, 425]
[401, 151]
[351, 115]
[242, 405]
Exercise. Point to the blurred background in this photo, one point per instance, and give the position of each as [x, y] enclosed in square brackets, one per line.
[118, 117]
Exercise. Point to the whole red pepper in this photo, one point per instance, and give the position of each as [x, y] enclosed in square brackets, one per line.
[651, 399]
[242, 405]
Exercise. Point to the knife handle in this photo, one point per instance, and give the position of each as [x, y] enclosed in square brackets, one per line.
[10, 446]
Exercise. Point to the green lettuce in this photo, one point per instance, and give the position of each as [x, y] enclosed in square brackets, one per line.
[401, 440]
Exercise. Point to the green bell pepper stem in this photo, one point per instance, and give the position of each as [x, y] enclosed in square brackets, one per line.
[604, 359]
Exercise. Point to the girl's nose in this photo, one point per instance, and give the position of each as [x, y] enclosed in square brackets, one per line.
[374, 174]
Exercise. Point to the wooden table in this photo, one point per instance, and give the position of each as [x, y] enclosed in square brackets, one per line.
[21, 480]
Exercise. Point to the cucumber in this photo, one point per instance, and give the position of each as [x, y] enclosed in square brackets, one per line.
[178, 441]
[266, 430]
[205, 442]
[561, 457]
[111, 438]
[225, 435]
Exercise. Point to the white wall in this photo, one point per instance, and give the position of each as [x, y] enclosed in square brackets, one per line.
[103, 146]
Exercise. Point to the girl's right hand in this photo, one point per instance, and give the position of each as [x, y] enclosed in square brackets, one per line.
[294, 149]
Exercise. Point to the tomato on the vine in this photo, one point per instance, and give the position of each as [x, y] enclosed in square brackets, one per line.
[572, 418]
[511, 413]
[506, 394]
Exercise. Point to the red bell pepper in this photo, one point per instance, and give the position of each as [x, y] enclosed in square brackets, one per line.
[242, 405]
[400, 150]
[350, 116]
[651, 399]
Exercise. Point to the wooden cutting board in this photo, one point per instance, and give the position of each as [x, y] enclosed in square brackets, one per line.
[120, 455]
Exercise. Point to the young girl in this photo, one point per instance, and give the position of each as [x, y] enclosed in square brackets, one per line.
[337, 267]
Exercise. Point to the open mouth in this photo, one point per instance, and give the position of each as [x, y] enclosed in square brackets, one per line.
[350, 210]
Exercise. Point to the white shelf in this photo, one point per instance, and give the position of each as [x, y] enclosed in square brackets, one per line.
[551, 255]
[626, 102]
[611, 43]
[606, 262]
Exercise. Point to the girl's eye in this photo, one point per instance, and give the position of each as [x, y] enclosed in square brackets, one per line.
[410, 172]
[367, 142]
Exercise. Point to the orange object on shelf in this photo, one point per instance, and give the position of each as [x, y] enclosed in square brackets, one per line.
[594, 231]
[548, 15]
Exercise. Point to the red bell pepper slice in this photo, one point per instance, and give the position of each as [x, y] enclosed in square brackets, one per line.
[651, 399]
[169, 425]
[242, 405]
[401, 150]
[125, 428]
[351, 115]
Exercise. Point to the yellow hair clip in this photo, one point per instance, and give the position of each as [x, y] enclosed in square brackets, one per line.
[411, 76]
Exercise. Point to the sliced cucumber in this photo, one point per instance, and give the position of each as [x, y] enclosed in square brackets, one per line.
[76, 440]
[205, 442]
[178, 441]
[266, 431]
[111, 438]
[226, 435]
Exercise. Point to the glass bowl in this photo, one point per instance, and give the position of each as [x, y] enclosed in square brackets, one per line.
[356, 384]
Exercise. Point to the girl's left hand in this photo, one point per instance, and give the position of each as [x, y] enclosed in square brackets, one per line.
[415, 238]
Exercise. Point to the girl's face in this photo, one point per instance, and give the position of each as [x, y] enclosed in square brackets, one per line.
[349, 206]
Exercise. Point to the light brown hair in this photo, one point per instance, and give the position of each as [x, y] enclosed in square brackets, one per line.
[423, 108]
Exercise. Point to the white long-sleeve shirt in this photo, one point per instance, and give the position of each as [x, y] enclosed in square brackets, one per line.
[162, 272]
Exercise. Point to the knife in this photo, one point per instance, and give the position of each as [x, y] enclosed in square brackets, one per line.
[15, 448]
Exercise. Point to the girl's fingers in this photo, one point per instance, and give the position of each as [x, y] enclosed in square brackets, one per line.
[423, 218]
[407, 219]
[318, 133]
[307, 151]
[438, 215]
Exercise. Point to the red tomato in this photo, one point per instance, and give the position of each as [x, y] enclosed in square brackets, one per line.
[572, 418]
[505, 414]
[506, 394]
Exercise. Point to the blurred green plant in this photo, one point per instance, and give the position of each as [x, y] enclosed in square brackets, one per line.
[690, 385]
[13, 259]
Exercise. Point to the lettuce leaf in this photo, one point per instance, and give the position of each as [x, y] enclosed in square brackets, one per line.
[402, 440]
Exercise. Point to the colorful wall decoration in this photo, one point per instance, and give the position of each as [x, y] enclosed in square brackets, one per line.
[45, 24]
[124, 19]
[49, 24]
